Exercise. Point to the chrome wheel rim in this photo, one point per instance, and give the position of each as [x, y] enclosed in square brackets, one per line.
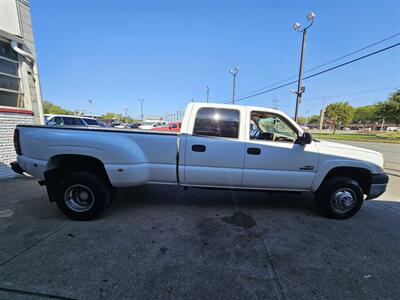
[79, 198]
[343, 200]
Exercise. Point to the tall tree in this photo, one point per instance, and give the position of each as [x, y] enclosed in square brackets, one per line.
[301, 120]
[50, 108]
[390, 109]
[366, 114]
[314, 119]
[339, 113]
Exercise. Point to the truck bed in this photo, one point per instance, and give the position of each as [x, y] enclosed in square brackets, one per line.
[130, 156]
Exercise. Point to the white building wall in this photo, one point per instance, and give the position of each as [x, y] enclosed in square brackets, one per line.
[9, 21]
[8, 122]
[16, 24]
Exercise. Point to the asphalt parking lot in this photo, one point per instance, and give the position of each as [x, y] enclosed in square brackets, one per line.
[161, 242]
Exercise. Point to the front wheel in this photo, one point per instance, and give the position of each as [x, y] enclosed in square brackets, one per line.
[339, 197]
[82, 195]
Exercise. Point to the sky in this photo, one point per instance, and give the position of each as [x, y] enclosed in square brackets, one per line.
[167, 52]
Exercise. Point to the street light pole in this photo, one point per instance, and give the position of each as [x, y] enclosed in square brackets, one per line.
[141, 109]
[91, 107]
[299, 93]
[300, 89]
[234, 72]
[208, 93]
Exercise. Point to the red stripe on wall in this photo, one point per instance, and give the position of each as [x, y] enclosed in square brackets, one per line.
[16, 110]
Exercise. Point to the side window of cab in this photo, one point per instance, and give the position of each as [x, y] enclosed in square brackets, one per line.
[217, 122]
[271, 127]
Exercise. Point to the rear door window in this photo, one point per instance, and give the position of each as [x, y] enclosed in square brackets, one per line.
[219, 122]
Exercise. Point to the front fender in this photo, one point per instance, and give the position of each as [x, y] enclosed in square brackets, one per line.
[327, 166]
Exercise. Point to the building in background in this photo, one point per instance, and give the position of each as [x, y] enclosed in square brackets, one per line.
[20, 97]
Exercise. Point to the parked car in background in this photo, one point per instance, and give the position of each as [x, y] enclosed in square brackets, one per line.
[68, 120]
[152, 124]
[122, 125]
[172, 126]
[134, 125]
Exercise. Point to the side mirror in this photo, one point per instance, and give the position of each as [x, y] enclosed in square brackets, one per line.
[305, 139]
[51, 123]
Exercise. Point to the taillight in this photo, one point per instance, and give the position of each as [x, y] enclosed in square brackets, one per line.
[17, 145]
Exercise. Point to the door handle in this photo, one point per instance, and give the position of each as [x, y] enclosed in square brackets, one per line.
[254, 151]
[198, 148]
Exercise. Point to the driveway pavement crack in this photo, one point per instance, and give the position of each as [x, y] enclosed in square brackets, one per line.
[39, 295]
[271, 267]
[34, 244]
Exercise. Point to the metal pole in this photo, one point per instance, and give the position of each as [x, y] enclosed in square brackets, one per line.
[233, 88]
[383, 119]
[91, 107]
[298, 94]
[234, 72]
[141, 109]
[208, 93]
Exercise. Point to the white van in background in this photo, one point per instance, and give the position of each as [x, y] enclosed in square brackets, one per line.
[150, 124]
[69, 120]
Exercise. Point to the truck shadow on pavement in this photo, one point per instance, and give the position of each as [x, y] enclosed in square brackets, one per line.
[172, 196]
[161, 242]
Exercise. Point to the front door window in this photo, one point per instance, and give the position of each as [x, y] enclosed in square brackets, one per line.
[271, 127]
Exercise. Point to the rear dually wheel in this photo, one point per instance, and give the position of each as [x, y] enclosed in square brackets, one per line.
[82, 195]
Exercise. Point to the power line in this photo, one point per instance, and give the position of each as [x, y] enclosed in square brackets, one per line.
[350, 94]
[319, 73]
[322, 65]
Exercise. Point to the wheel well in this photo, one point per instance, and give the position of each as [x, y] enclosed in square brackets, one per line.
[60, 164]
[361, 175]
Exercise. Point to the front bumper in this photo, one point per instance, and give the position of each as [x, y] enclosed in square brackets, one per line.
[378, 185]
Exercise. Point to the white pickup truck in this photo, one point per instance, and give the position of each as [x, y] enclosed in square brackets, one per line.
[219, 146]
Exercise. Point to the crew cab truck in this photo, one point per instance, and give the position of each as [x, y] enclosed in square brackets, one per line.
[219, 146]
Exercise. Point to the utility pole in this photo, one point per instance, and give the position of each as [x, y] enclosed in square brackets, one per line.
[91, 107]
[141, 109]
[321, 118]
[274, 103]
[234, 72]
[384, 113]
[126, 112]
[208, 93]
[300, 89]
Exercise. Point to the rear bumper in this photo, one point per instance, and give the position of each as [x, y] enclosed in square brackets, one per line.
[16, 168]
[378, 185]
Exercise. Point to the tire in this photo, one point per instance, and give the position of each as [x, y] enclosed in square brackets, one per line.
[339, 197]
[82, 195]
